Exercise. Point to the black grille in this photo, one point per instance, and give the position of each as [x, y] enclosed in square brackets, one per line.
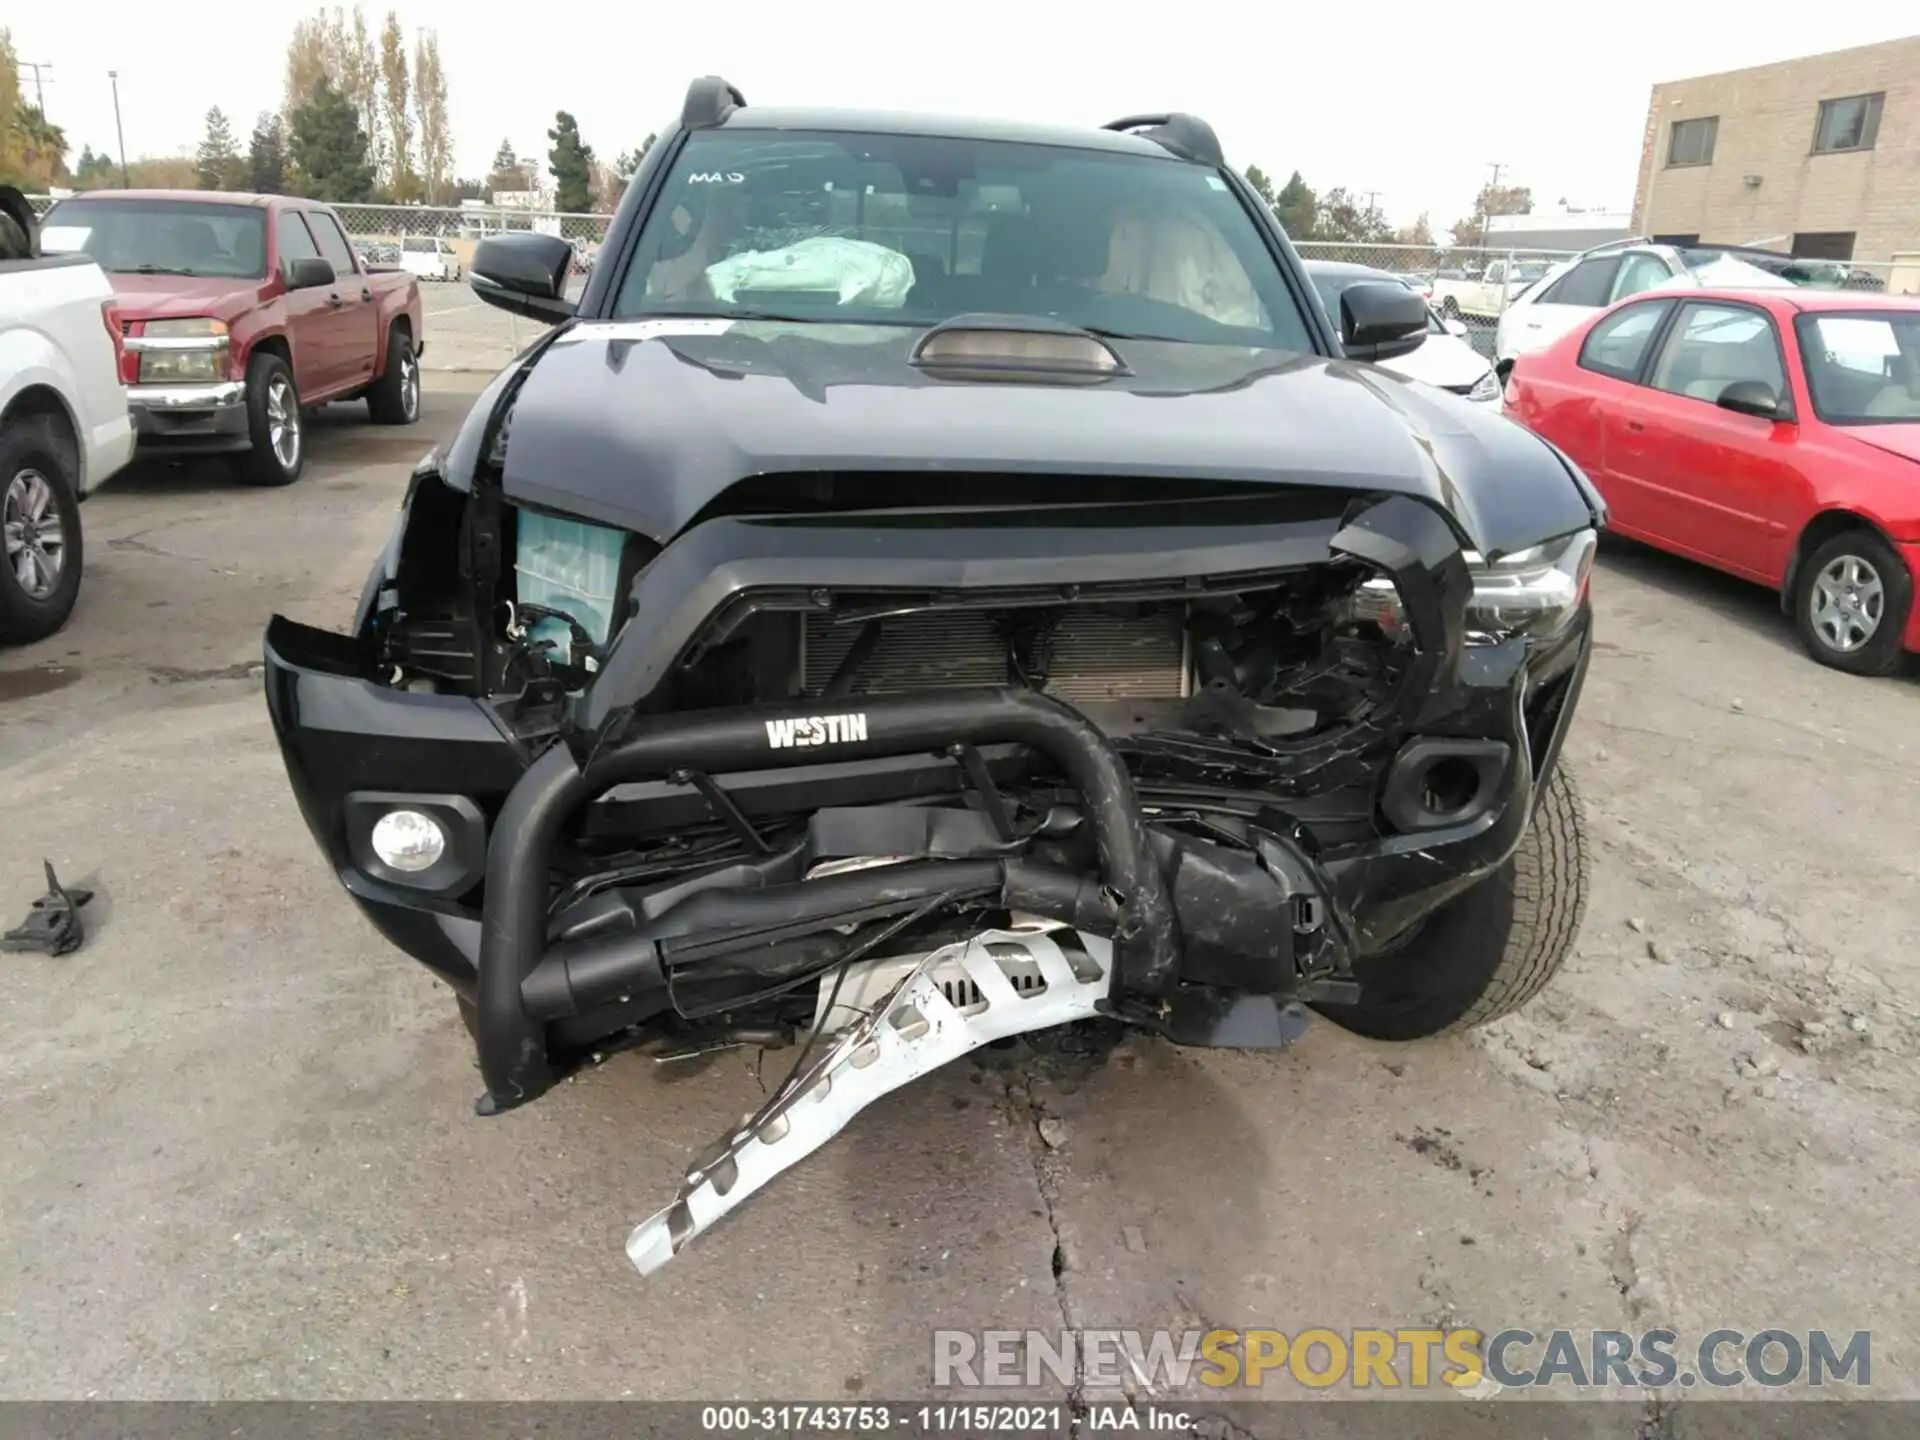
[1079, 653]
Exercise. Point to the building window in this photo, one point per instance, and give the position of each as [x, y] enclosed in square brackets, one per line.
[1823, 245]
[1849, 124]
[1692, 141]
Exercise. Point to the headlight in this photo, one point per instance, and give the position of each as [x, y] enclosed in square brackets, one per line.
[1530, 592]
[203, 327]
[1486, 388]
[188, 350]
[174, 366]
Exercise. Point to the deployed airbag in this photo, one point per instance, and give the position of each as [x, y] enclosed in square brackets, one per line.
[850, 270]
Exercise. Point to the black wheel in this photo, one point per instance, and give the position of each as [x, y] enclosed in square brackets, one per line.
[40, 518]
[394, 399]
[276, 425]
[1851, 600]
[1450, 308]
[1492, 949]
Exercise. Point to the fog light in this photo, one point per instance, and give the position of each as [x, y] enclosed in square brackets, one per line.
[408, 841]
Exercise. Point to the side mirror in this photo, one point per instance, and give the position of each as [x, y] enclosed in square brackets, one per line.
[309, 272]
[1456, 327]
[1379, 321]
[1750, 397]
[524, 273]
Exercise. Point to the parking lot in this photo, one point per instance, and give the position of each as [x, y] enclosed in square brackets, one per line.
[464, 333]
[241, 1158]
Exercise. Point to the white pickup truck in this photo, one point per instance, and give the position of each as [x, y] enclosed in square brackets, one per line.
[64, 426]
[1486, 295]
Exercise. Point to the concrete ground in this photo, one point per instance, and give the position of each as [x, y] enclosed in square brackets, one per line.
[238, 1156]
[464, 333]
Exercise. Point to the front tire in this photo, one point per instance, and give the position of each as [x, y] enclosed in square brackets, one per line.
[40, 520]
[1851, 600]
[394, 399]
[276, 427]
[1491, 950]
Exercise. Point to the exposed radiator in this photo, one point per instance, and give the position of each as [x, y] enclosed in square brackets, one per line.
[1085, 653]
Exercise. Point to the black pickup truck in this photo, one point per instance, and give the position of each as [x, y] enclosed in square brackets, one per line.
[943, 580]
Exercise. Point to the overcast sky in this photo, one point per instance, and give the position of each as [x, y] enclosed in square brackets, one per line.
[1413, 101]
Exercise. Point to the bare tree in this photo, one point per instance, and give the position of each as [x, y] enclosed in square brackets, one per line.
[394, 99]
[310, 55]
[430, 111]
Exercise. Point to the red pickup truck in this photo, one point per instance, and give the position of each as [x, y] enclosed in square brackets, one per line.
[238, 313]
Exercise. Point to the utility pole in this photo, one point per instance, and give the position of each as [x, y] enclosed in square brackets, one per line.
[1372, 208]
[1497, 169]
[39, 93]
[119, 133]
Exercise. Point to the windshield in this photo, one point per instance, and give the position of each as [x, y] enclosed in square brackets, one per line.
[912, 230]
[161, 237]
[1862, 368]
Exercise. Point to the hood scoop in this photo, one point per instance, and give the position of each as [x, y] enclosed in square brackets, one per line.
[1015, 347]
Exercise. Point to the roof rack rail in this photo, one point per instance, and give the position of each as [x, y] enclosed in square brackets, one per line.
[1620, 244]
[1187, 136]
[709, 101]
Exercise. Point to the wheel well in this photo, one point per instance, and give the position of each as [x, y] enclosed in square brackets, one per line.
[1822, 528]
[274, 345]
[405, 326]
[42, 401]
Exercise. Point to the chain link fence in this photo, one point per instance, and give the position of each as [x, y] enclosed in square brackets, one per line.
[381, 232]
[1469, 285]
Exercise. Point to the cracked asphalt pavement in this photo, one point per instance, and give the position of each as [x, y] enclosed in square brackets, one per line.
[240, 1157]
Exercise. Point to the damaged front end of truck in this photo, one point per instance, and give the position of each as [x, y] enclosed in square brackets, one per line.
[888, 760]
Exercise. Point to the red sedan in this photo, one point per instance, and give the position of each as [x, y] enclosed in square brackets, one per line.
[1774, 435]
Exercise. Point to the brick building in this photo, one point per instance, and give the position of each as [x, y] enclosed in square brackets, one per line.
[1819, 154]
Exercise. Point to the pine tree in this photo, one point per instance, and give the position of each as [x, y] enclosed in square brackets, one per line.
[1296, 207]
[216, 164]
[629, 160]
[330, 148]
[267, 156]
[507, 172]
[570, 162]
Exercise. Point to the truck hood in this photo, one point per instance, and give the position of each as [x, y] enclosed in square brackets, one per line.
[641, 425]
[165, 297]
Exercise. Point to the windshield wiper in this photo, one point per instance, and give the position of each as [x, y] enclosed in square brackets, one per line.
[158, 270]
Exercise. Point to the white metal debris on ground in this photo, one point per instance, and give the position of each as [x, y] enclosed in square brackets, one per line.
[914, 1032]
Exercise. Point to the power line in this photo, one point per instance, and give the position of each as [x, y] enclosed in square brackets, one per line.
[39, 93]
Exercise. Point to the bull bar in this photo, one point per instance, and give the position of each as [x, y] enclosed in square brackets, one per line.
[514, 1059]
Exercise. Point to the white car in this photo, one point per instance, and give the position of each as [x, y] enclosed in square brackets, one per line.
[1576, 289]
[1485, 295]
[427, 257]
[64, 426]
[1444, 358]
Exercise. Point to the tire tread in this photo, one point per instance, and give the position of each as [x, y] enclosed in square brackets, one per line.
[1551, 876]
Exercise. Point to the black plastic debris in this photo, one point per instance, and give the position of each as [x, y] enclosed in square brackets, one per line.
[53, 924]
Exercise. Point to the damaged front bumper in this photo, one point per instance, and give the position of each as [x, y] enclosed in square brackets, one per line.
[1211, 942]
